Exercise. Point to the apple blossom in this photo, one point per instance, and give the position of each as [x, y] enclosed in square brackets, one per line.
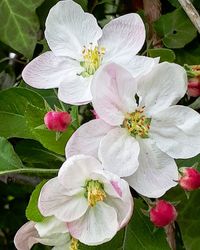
[50, 232]
[94, 203]
[190, 179]
[139, 139]
[79, 47]
[163, 213]
[57, 121]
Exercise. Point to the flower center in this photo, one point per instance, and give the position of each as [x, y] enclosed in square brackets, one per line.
[137, 123]
[92, 60]
[74, 244]
[94, 192]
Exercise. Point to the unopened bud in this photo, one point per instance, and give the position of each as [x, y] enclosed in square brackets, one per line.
[57, 121]
[163, 213]
[193, 73]
[194, 87]
[190, 179]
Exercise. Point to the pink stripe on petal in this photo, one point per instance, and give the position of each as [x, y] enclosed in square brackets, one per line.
[116, 187]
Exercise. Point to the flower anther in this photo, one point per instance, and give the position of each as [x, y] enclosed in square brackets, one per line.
[94, 192]
[137, 123]
[92, 60]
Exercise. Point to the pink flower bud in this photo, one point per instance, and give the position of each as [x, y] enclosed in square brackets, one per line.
[57, 121]
[194, 87]
[190, 179]
[163, 213]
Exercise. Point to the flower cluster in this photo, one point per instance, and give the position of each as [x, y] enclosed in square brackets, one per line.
[139, 131]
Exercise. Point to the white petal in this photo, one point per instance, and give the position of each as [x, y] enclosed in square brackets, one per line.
[59, 240]
[54, 200]
[81, 164]
[176, 131]
[68, 29]
[138, 65]
[113, 90]
[124, 35]
[97, 226]
[48, 71]
[50, 225]
[119, 152]
[86, 138]
[157, 172]
[165, 85]
[75, 90]
[26, 236]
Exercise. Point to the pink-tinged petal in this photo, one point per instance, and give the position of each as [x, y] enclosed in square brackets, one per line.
[118, 195]
[111, 182]
[119, 152]
[81, 164]
[116, 186]
[122, 36]
[75, 90]
[86, 139]
[48, 71]
[165, 85]
[176, 131]
[49, 226]
[68, 29]
[97, 226]
[60, 241]
[137, 65]
[54, 200]
[157, 172]
[113, 90]
[26, 236]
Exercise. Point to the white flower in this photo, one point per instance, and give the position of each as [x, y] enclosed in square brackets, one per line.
[139, 139]
[94, 203]
[79, 47]
[50, 232]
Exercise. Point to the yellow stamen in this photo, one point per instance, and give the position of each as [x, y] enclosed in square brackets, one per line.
[137, 123]
[92, 60]
[94, 192]
[74, 244]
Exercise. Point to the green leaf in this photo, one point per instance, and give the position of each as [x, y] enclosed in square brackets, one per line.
[35, 118]
[189, 55]
[13, 103]
[33, 154]
[9, 160]
[139, 234]
[32, 211]
[175, 3]
[195, 104]
[175, 29]
[20, 25]
[164, 54]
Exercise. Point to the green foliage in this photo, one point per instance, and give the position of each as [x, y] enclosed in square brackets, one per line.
[20, 25]
[9, 160]
[138, 234]
[33, 155]
[13, 103]
[164, 54]
[175, 29]
[32, 211]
